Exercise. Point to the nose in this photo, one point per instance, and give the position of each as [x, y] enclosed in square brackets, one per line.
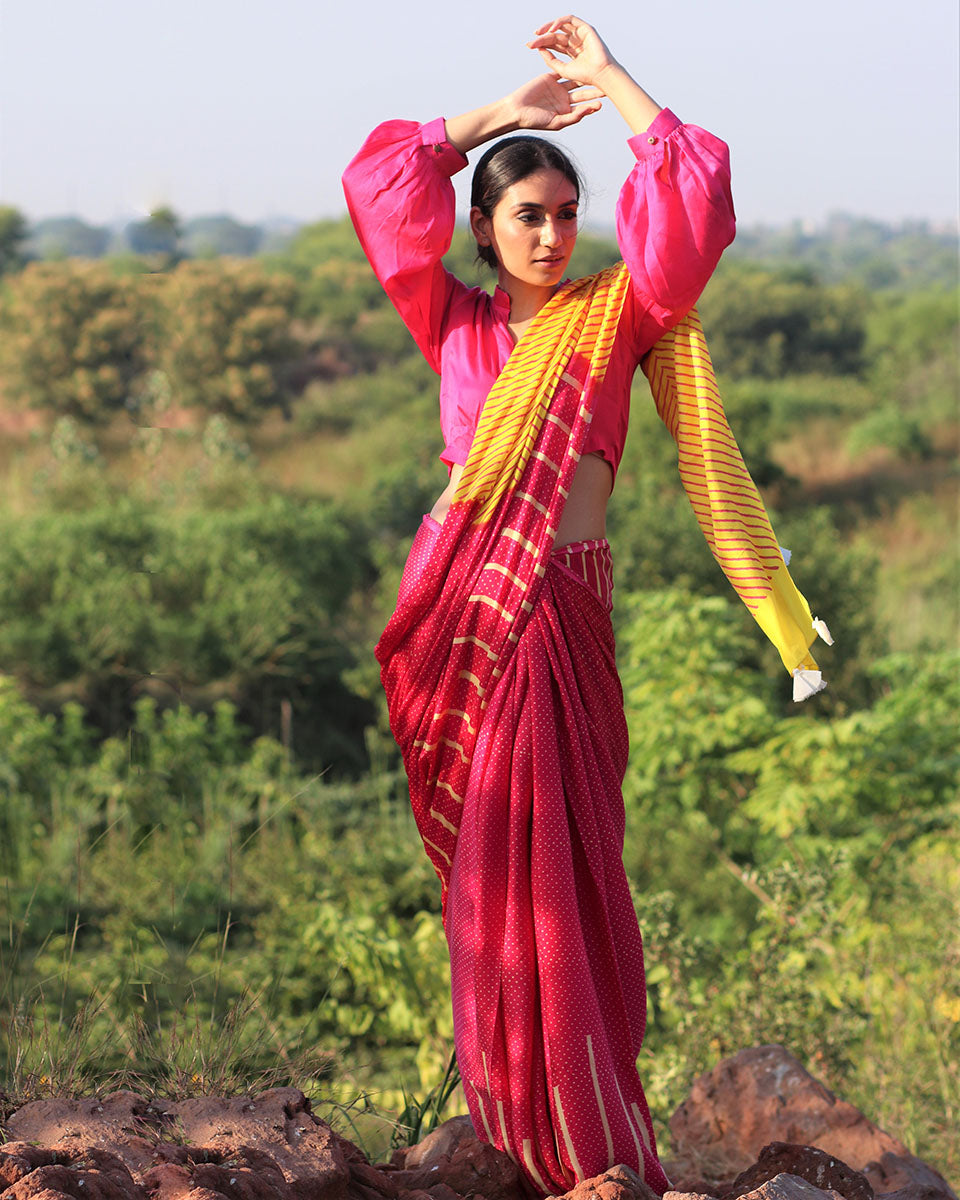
[550, 235]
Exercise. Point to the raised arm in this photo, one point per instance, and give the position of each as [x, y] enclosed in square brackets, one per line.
[675, 211]
[402, 202]
[590, 63]
[545, 103]
[402, 205]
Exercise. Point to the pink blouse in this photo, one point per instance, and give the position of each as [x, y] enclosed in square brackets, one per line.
[674, 218]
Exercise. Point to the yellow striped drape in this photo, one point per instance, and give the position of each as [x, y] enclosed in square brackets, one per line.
[725, 499]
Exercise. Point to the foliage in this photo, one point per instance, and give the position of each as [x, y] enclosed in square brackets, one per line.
[158, 236]
[206, 237]
[68, 237]
[192, 899]
[768, 324]
[105, 604]
[912, 255]
[225, 333]
[73, 339]
[13, 235]
[289, 920]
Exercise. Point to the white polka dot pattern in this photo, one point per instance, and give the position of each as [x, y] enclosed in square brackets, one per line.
[546, 956]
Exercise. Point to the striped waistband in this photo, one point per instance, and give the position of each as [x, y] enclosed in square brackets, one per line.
[588, 562]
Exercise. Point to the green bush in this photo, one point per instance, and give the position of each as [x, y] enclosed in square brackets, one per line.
[74, 338]
[224, 334]
[105, 604]
[770, 324]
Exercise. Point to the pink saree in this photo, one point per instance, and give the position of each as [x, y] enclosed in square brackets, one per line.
[504, 698]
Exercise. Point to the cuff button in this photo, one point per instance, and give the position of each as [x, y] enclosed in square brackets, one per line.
[651, 140]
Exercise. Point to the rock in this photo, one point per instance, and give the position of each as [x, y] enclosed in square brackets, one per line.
[367, 1182]
[762, 1095]
[789, 1187]
[122, 1123]
[453, 1155]
[18, 1159]
[279, 1122]
[674, 1195]
[167, 1181]
[619, 1183]
[815, 1166]
[904, 1177]
[440, 1143]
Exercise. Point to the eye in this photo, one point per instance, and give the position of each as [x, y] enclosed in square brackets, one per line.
[529, 218]
[568, 214]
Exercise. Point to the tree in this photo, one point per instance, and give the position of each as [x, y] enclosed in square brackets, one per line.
[73, 338]
[159, 234]
[205, 237]
[13, 233]
[225, 334]
[774, 323]
[69, 237]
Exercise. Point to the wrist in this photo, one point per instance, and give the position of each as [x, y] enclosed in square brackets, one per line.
[609, 75]
[472, 129]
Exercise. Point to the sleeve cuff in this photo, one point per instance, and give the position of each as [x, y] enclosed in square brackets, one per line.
[648, 143]
[448, 159]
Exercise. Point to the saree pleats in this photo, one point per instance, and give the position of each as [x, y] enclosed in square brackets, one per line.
[546, 954]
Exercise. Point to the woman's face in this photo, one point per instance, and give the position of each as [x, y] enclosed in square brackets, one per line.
[533, 229]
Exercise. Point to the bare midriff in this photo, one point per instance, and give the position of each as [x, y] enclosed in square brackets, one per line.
[585, 512]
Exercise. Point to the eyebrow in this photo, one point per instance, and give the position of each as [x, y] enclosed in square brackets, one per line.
[542, 207]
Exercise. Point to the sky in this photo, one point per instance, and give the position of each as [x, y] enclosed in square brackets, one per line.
[253, 107]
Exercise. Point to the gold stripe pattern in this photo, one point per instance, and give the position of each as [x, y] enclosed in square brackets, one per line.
[600, 1105]
[442, 820]
[633, 1132]
[567, 1141]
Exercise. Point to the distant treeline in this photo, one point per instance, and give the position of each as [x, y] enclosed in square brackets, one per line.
[877, 254]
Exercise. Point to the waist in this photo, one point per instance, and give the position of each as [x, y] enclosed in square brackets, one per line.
[590, 563]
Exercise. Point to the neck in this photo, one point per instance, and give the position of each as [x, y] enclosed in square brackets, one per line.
[526, 299]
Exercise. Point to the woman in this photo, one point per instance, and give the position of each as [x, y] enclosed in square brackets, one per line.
[499, 660]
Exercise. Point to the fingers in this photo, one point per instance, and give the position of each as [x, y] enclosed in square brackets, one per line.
[579, 94]
[557, 40]
[556, 66]
[576, 114]
[555, 24]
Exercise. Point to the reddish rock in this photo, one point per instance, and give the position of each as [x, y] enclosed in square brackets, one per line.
[367, 1182]
[440, 1143]
[905, 1177]
[673, 1194]
[760, 1096]
[122, 1123]
[18, 1159]
[453, 1155]
[619, 1183]
[279, 1122]
[167, 1181]
[815, 1166]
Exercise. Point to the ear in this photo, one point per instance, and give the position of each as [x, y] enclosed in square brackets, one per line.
[480, 226]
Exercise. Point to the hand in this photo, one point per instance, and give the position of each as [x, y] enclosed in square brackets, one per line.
[549, 102]
[587, 55]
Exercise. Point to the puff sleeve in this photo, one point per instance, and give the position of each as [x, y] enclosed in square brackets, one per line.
[402, 205]
[674, 216]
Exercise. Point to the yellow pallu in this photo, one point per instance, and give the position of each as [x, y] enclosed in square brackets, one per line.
[725, 499]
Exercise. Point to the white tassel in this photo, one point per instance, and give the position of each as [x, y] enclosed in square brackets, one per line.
[786, 556]
[806, 683]
[822, 630]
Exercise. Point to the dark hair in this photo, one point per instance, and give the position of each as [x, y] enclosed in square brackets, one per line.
[505, 164]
